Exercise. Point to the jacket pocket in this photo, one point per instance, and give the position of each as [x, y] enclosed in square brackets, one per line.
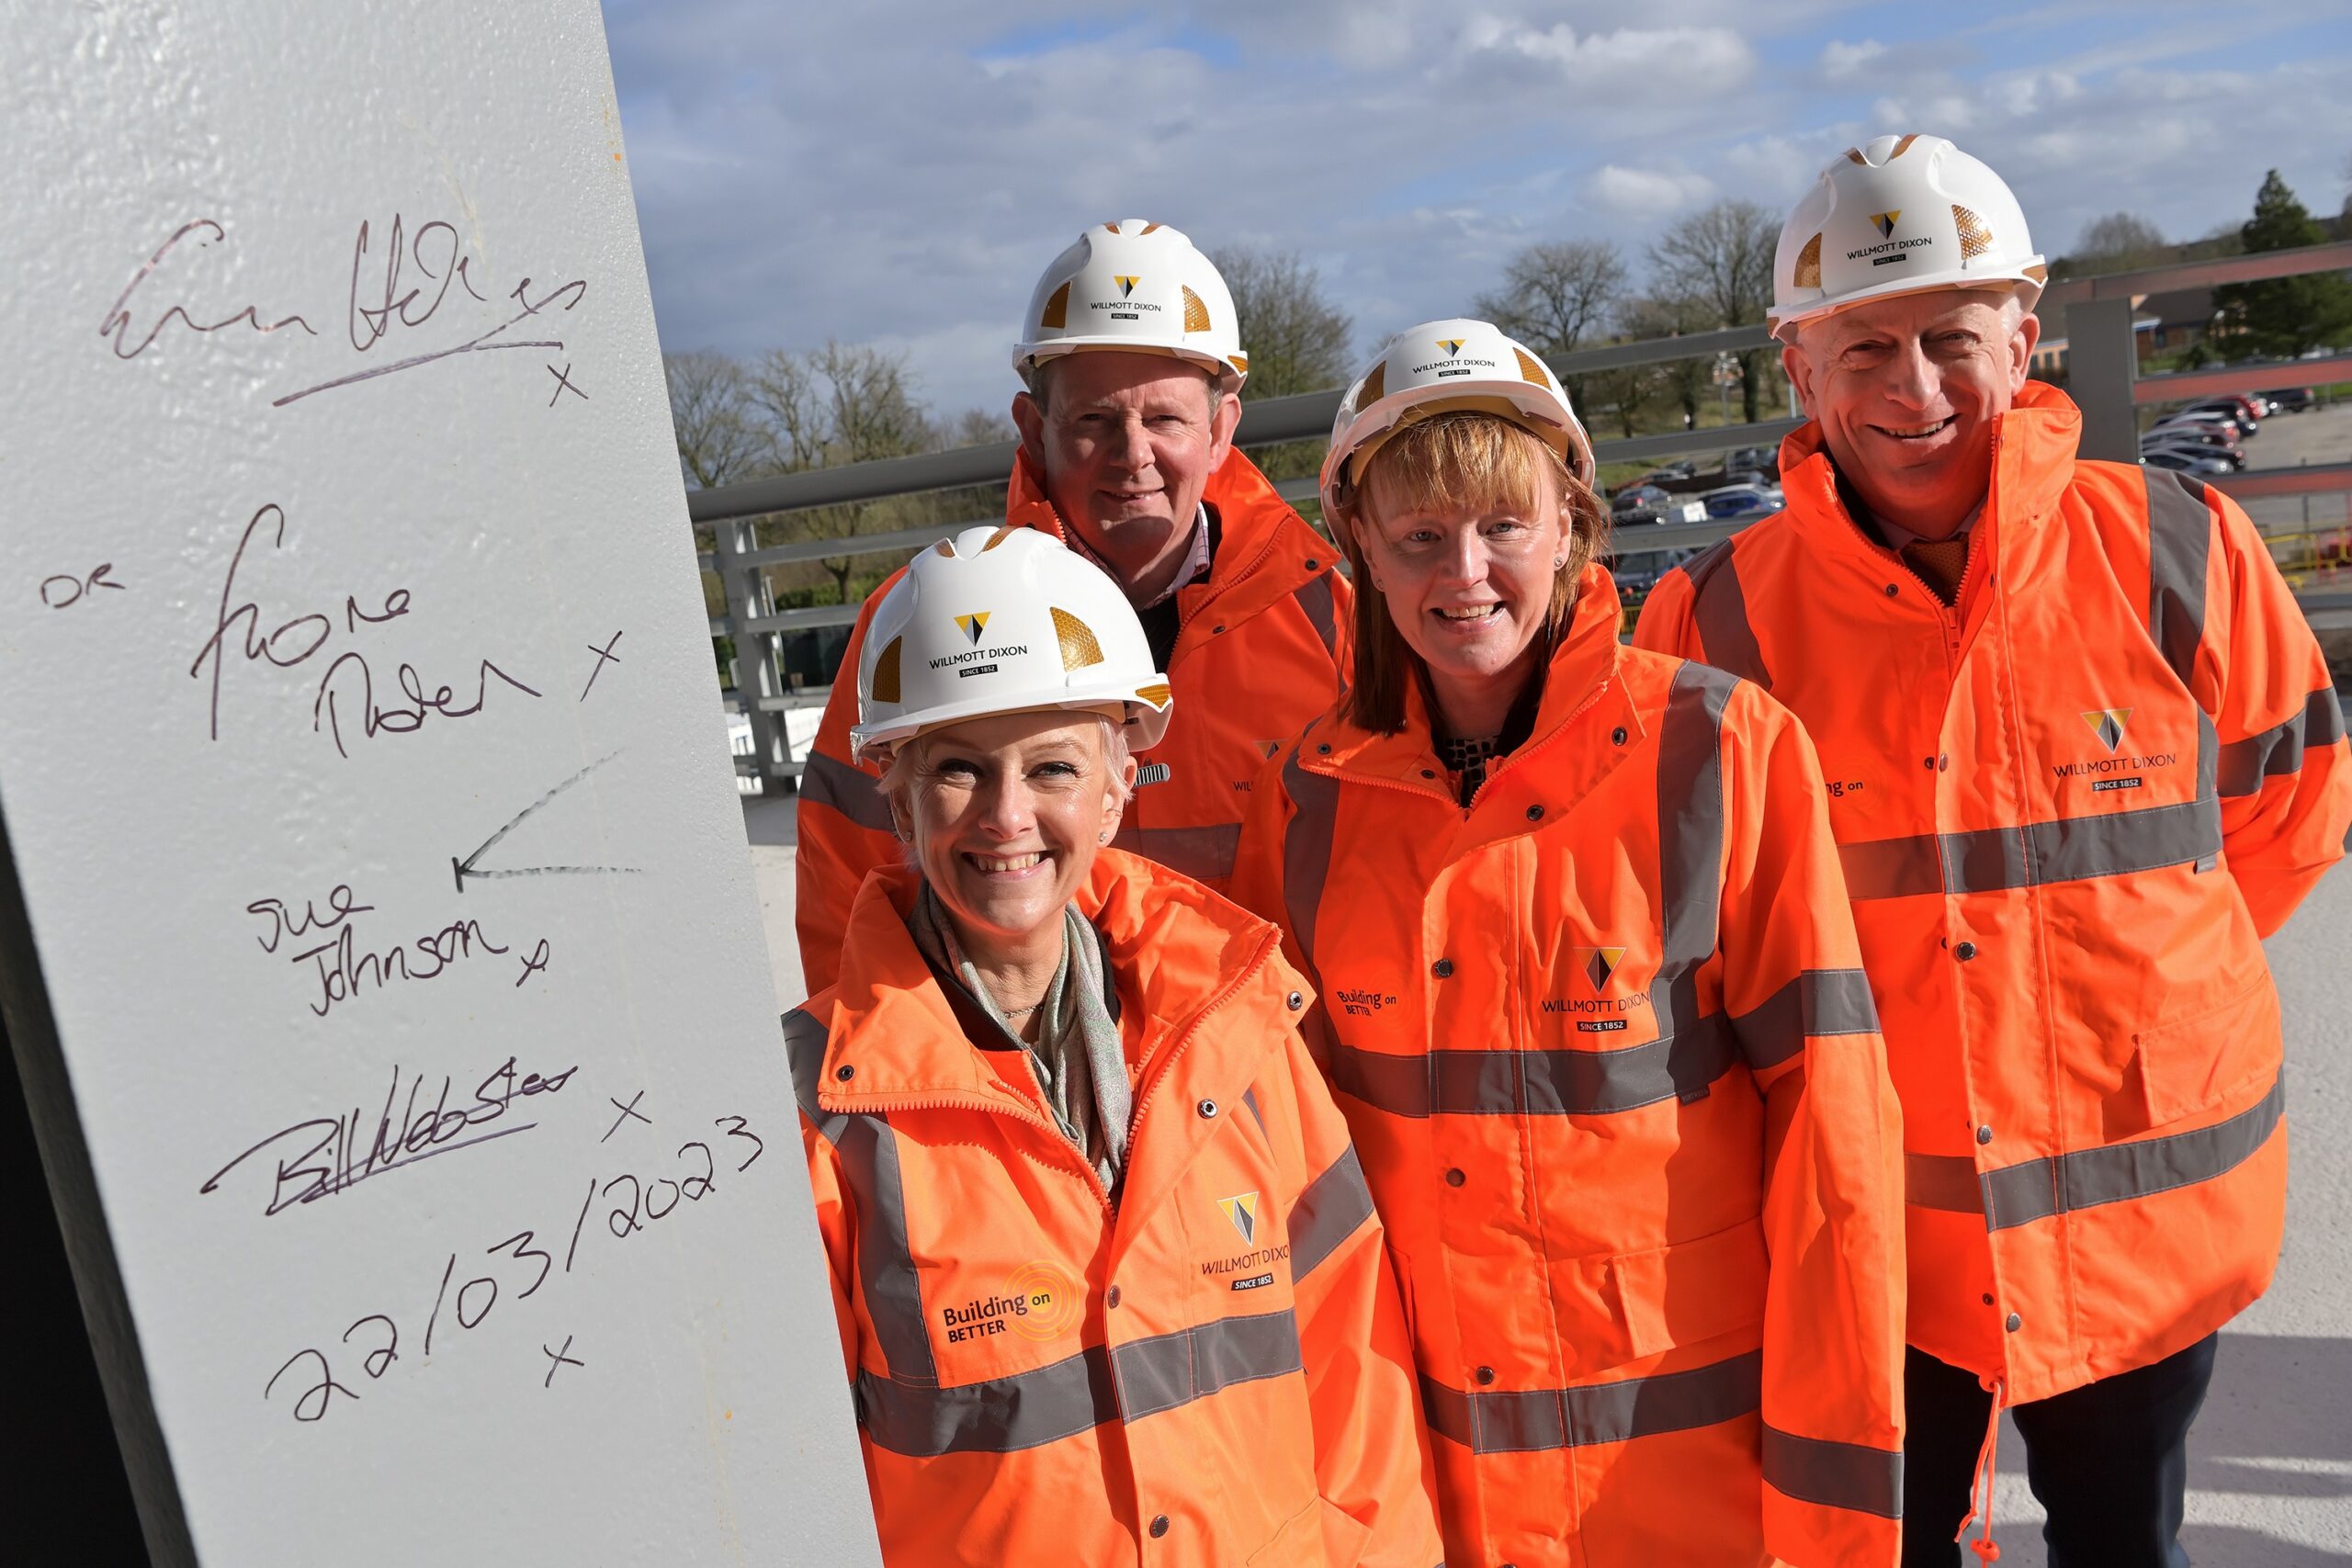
[1299, 1542]
[2187, 1065]
[1689, 1292]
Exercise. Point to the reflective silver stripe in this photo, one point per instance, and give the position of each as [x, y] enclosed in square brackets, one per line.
[1942, 1181]
[2020, 1194]
[868, 1152]
[1316, 598]
[1836, 1475]
[1333, 1208]
[2280, 750]
[2039, 1189]
[1490, 1422]
[2072, 848]
[1691, 856]
[1024, 1410]
[1816, 1004]
[1250, 1099]
[1306, 867]
[1171, 1369]
[2180, 530]
[848, 789]
[1719, 608]
[1205, 854]
[1538, 1083]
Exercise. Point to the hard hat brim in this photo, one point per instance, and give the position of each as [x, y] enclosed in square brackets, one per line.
[1027, 356]
[1146, 725]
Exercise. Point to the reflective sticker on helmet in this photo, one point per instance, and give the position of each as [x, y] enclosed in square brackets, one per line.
[886, 672]
[1975, 239]
[1808, 273]
[1078, 647]
[1057, 311]
[1197, 315]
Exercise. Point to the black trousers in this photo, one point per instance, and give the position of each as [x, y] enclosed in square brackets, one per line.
[2109, 1461]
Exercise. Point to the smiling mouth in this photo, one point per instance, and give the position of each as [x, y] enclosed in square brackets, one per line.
[998, 865]
[1471, 612]
[1916, 432]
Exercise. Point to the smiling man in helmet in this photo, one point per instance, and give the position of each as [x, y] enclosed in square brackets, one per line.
[1132, 363]
[2083, 755]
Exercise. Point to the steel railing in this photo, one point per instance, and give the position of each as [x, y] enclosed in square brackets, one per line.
[2102, 377]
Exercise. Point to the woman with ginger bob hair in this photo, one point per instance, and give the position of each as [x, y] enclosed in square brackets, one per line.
[1591, 1004]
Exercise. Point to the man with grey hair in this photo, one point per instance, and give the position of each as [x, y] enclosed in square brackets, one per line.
[2083, 755]
[1132, 365]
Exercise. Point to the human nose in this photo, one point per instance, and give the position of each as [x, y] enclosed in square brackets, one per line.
[1911, 378]
[1130, 446]
[1464, 558]
[1006, 808]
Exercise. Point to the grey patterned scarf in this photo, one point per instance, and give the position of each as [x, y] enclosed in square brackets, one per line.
[1080, 1062]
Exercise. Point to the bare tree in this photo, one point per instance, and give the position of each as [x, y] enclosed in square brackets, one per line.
[1669, 315]
[2118, 243]
[977, 427]
[1722, 258]
[1556, 296]
[712, 408]
[1297, 340]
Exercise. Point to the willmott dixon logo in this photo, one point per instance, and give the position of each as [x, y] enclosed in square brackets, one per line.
[1243, 1211]
[1599, 963]
[2107, 724]
[973, 625]
[1884, 223]
[1452, 346]
[1127, 285]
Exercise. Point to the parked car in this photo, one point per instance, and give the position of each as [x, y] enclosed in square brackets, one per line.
[1637, 572]
[1637, 504]
[2230, 405]
[2190, 430]
[2291, 400]
[2184, 462]
[1664, 471]
[2230, 427]
[1765, 460]
[1744, 500]
[2232, 458]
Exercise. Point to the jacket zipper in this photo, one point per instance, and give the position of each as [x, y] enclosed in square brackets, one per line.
[1184, 619]
[1021, 1113]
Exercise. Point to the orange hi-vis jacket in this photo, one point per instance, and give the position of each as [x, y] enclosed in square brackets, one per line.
[1261, 648]
[1614, 1076]
[1213, 1369]
[2069, 810]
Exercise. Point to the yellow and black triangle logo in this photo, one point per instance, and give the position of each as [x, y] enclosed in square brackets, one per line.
[1127, 285]
[1452, 346]
[1884, 223]
[2107, 724]
[973, 625]
[1243, 1211]
[1599, 963]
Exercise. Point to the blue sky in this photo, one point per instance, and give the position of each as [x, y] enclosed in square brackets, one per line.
[899, 171]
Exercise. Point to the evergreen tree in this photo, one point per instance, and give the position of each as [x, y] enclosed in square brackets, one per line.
[2282, 317]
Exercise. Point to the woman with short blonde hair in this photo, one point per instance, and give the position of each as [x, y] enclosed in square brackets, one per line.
[1593, 1008]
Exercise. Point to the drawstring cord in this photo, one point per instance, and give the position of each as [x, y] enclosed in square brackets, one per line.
[1987, 1550]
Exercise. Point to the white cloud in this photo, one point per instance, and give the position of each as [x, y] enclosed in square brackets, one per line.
[1842, 61]
[1629, 57]
[1652, 192]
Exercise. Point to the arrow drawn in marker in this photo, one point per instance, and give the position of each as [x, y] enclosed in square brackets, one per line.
[462, 868]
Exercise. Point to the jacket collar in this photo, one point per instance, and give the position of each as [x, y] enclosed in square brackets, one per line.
[1265, 550]
[1172, 946]
[2034, 451]
[1582, 670]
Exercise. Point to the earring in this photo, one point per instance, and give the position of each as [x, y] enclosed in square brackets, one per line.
[1559, 562]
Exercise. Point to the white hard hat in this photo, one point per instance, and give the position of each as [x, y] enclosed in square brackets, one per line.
[1442, 366]
[1900, 214]
[1139, 287]
[1004, 620]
